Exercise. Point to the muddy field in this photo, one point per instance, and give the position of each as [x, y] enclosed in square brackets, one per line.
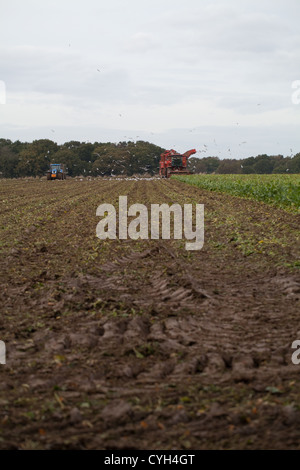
[142, 344]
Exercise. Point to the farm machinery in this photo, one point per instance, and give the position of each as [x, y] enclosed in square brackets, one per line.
[56, 172]
[174, 163]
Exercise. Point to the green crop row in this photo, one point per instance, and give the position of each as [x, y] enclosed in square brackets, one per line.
[281, 190]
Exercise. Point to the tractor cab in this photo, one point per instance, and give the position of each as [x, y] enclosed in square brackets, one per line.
[57, 171]
[55, 168]
[176, 161]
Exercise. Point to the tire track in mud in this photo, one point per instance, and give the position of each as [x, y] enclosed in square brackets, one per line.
[216, 328]
[158, 291]
[146, 347]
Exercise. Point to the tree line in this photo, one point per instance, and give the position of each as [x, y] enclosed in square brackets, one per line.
[19, 159]
[22, 159]
[262, 164]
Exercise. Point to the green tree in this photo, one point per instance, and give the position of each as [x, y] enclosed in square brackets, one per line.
[263, 164]
[8, 162]
[203, 165]
[229, 167]
[34, 158]
[295, 164]
[69, 157]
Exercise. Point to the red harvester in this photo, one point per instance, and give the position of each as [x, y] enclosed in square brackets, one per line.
[174, 163]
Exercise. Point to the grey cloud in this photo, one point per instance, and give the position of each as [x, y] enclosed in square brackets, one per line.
[82, 55]
[69, 74]
[141, 42]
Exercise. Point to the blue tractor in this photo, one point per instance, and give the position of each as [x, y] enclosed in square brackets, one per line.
[57, 172]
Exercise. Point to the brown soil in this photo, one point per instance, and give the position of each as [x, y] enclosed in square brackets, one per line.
[142, 344]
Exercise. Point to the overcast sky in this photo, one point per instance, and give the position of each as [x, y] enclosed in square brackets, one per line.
[207, 74]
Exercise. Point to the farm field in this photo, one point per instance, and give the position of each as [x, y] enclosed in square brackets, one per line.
[280, 190]
[124, 344]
